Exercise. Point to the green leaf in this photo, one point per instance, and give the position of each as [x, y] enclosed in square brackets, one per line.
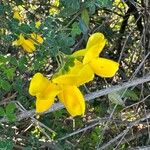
[116, 98]
[75, 29]
[69, 7]
[11, 117]
[129, 94]
[5, 85]
[2, 111]
[85, 17]
[10, 108]
[104, 3]
[69, 63]
[10, 72]
[83, 26]
[6, 145]
[2, 9]
[25, 28]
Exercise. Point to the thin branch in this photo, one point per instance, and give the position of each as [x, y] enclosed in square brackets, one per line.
[88, 97]
[114, 140]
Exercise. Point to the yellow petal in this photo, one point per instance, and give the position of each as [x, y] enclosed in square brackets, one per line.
[85, 75]
[66, 79]
[19, 41]
[95, 39]
[104, 67]
[38, 84]
[38, 24]
[36, 39]
[17, 15]
[93, 51]
[45, 99]
[78, 74]
[73, 100]
[76, 68]
[79, 53]
[28, 46]
[43, 105]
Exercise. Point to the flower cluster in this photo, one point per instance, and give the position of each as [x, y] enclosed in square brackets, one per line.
[87, 63]
[28, 44]
[32, 39]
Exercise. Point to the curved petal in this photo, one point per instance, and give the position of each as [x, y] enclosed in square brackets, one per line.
[73, 100]
[85, 75]
[66, 79]
[94, 39]
[46, 98]
[78, 74]
[17, 15]
[104, 67]
[43, 105]
[19, 41]
[79, 53]
[93, 51]
[38, 84]
[28, 46]
[36, 39]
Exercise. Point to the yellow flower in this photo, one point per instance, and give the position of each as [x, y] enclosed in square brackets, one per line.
[27, 45]
[18, 12]
[46, 91]
[37, 24]
[100, 66]
[77, 75]
[17, 15]
[36, 39]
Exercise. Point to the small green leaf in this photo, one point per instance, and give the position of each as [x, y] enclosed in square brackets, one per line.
[85, 17]
[2, 111]
[6, 145]
[5, 85]
[11, 117]
[10, 72]
[10, 108]
[104, 3]
[75, 29]
[129, 94]
[116, 98]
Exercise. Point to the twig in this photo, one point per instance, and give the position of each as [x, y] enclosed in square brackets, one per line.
[88, 97]
[105, 146]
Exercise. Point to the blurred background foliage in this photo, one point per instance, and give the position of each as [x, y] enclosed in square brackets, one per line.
[65, 27]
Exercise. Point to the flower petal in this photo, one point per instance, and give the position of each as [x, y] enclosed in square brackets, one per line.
[45, 99]
[95, 39]
[17, 15]
[79, 53]
[93, 51]
[38, 24]
[78, 74]
[104, 67]
[36, 39]
[43, 105]
[73, 100]
[38, 84]
[28, 46]
[66, 79]
[85, 75]
[19, 41]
